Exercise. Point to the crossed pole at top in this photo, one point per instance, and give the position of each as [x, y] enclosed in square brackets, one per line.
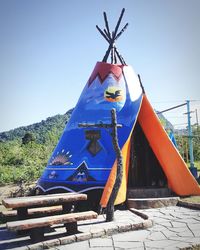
[111, 39]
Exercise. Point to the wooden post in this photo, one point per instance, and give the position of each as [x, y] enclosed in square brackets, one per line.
[119, 174]
[37, 234]
[71, 228]
[66, 207]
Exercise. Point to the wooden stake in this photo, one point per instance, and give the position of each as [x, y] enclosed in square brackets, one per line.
[119, 174]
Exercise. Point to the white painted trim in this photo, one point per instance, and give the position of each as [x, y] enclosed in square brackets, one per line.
[90, 169]
[91, 188]
[56, 187]
[68, 189]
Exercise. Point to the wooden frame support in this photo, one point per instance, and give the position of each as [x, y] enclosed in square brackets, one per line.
[37, 234]
[111, 38]
[71, 228]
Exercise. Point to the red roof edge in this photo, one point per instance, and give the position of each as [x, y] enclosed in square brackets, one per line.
[102, 70]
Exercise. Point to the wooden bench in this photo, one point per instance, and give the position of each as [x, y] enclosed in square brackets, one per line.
[36, 227]
[34, 206]
[10, 215]
[23, 204]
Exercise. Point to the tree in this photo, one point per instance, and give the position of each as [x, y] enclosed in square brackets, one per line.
[28, 137]
[196, 142]
[183, 147]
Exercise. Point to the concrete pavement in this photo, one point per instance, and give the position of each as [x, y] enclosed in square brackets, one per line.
[173, 228]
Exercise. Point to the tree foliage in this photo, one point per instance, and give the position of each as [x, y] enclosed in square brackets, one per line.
[196, 142]
[26, 161]
[22, 162]
[183, 145]
[24, 152]
[28, 137]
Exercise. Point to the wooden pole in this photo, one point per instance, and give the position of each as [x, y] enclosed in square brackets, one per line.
[120, 57]
[119, 174]
[107, 26]
[123, 29]
[111, 37]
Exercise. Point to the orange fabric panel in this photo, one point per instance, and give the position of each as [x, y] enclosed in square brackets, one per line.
[121, 197]
[180, 180]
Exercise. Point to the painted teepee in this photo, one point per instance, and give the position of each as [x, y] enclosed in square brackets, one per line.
[84, 158]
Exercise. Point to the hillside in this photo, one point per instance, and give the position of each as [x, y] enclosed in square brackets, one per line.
[24, 160]
[39, 130]
[55, 123]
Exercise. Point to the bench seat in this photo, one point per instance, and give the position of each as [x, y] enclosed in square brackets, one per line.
[9, 215]
[50, 220]
[43, 200]
[35, 227]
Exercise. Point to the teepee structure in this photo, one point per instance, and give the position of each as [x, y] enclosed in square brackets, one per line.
[84, 159]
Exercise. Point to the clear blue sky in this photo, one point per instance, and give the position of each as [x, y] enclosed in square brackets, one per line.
[48, 49]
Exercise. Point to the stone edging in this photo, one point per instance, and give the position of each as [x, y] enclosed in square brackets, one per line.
[108, 229]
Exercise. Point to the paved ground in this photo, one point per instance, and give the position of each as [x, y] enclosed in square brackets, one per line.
[174, 228]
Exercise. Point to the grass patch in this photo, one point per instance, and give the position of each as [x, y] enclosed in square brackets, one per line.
[192, 199]
[197, 247]
[197, 165]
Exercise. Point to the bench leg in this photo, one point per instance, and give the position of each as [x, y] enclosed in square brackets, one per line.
[37, 234]
[67, 207]
[22, 213]
[23, 232]
[71, 228]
